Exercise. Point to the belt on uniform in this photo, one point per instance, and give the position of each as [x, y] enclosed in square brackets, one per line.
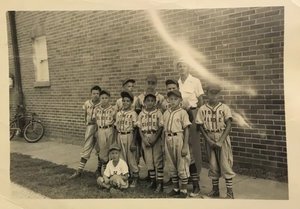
[172, 134]
[91, 123]
[213, 131]
[104, 127]
[123, 133]
[149, 132]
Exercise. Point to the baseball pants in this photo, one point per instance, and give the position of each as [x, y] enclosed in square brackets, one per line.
[124, 141]
[153, 155]
[194, 143]
[178, 165]
[105, 138]
[90, 141]
[220, 160]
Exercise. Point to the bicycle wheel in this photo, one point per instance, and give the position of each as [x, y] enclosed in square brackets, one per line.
[12, 129]
[33, 131]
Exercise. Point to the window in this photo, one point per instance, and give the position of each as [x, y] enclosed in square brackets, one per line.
[40, 60]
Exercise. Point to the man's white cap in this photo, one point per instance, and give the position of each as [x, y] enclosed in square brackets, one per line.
[179, 60]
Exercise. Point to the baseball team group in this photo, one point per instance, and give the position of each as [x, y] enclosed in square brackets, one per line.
[164, 131]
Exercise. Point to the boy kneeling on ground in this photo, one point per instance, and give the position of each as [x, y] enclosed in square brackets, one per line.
[116, 172]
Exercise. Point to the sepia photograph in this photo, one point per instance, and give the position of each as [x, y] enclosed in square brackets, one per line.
[175, 103]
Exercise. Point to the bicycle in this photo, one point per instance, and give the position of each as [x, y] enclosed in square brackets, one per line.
[27, 125]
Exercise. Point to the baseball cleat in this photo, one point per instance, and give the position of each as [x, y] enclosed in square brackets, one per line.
[159, 188]
[174, 193]
[229, 195]
[214, 194]
[133, 183]
[76, 174]
[195, 192]
[183, 195]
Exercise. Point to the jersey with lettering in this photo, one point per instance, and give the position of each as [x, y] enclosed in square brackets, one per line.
[150, 121]
[126, 120]
[175, 121]
[120, 169]
[119, 104]
[105, 116]
[89, 107]
[159, 100]
[213, 118]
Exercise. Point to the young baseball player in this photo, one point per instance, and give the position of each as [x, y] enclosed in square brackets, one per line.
[128, 85]
[149, 123]
[171, 85]
[176, 129]
[116, 172]
[215, 120]
[105, 117]
[90, 140]
[126, 121]
[150, 87]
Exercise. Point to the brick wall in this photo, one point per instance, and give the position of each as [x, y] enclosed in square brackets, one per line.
[242, 45]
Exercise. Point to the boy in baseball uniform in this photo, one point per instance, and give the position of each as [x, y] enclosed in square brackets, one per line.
[90, 140]
[176, 129]
[128, 85]
[126, 122]
[149, 123]
[215, 119]
[172, 84]
[116, 172]
[105, 115]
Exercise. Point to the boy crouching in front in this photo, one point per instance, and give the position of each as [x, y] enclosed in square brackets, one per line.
[116, 172]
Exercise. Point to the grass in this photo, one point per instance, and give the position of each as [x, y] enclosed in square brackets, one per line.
[51, 180]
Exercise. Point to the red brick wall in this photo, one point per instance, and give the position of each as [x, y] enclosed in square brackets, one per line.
[242, 45]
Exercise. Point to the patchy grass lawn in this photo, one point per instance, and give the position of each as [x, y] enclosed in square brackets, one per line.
[51, 180]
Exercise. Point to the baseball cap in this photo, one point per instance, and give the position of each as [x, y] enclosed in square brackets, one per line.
[114, 147]
[171, 81]
[103, 91]
[127, 94]
[149, 94]
[127, 80]
[151, 77]
[174, 92]
[214, 88]
[179, 60]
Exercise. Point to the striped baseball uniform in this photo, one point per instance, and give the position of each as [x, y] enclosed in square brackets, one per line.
[105, 118]
[126, 121]
[213, 120]
[174, 122]
[166, 105]
[149, 123]
[119, 104]
[91, 130]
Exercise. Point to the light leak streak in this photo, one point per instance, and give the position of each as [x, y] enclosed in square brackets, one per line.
[241, 120]
[189, 55]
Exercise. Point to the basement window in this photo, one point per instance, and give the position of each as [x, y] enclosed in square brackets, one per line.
[40, 61]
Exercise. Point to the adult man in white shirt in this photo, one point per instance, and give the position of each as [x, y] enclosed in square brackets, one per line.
[192, 92]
